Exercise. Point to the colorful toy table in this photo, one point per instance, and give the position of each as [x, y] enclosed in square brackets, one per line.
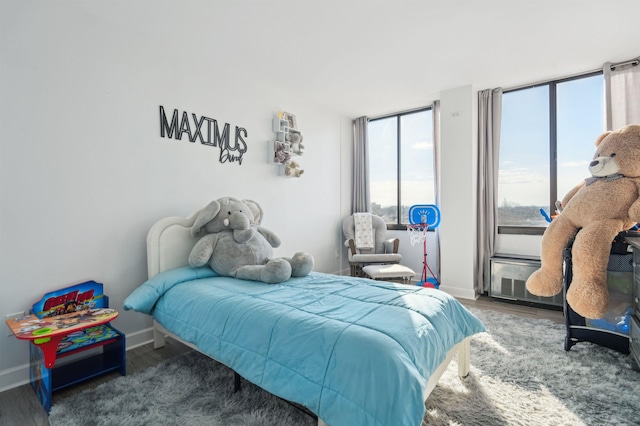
[67, 322]
[48, 333]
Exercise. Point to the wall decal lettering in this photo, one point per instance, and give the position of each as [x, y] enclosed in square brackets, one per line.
[195, 129]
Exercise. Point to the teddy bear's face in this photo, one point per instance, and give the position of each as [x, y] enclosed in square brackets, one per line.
[618, 152]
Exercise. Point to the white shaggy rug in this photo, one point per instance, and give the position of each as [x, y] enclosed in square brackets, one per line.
[520, 375]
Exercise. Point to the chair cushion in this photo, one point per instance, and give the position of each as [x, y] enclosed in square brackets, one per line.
[388, 271]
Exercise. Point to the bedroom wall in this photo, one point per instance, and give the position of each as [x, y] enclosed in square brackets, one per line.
[84, 172]
[458, 189]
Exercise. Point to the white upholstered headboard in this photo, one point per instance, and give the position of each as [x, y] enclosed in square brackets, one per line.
[169, 243]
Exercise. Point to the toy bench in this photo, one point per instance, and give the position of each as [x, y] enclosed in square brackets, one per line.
[71, 321]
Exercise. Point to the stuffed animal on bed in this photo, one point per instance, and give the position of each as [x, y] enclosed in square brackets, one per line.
[233, 244]
[594, 212]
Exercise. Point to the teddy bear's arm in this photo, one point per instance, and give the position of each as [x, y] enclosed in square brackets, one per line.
[634, 210]
[571, 193]
[202, 251]
[272, 238]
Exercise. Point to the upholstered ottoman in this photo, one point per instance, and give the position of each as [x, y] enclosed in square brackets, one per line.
[389, 272]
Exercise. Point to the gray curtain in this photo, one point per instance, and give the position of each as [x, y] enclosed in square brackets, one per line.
[489, 120]
[435, 109]
[622, 94]
[361, 199]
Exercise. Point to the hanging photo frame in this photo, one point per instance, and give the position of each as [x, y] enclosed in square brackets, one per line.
[291, 119]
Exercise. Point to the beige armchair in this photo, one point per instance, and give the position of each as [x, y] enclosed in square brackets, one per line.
[384, 251]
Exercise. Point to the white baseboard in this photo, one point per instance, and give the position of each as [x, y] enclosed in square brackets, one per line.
[14, 377]
[460, 293]
[19, 375]
[139, 338]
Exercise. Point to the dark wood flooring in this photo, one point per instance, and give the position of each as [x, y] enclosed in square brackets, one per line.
[20, 407]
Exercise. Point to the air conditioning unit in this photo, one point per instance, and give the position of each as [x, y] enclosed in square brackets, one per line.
[509, 276]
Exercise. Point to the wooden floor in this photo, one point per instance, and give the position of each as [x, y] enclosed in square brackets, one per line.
[485, 302]
[20, 407]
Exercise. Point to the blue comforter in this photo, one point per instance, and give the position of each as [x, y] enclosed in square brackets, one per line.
[352, 350]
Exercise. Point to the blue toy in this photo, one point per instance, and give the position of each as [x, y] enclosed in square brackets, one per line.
[421, 218]
[618, 323]
[545, 215]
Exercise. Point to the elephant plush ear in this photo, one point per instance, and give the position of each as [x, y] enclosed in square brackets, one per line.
[256, 210]
[205, 216]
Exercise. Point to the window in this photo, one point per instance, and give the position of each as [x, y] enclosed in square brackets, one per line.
[546, 143]
[401, 164]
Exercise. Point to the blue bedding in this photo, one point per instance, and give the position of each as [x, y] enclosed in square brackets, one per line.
[353, 350]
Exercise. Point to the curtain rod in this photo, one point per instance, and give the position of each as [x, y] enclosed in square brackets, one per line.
[543, 82]
[632, 62]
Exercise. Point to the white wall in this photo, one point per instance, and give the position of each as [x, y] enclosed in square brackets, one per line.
[84, 171]
[458, 190]
[346, 176]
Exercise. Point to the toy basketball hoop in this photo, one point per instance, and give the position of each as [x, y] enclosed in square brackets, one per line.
[421, 218]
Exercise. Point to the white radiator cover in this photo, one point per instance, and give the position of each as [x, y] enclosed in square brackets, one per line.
[509, 276]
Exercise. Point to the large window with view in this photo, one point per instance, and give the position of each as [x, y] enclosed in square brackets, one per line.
[401, 171]
[546, 142]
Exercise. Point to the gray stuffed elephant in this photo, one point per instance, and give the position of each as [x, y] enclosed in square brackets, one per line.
[235, 245]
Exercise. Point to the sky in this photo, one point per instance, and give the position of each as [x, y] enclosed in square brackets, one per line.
[416, 159]
[524, 147]
[524, 139]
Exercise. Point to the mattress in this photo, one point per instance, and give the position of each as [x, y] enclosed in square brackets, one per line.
[352, 350]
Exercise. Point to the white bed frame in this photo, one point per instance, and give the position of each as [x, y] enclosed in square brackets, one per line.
[169, 243]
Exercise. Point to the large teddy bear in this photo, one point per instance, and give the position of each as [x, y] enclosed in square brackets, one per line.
[594, 212]
[235, 245]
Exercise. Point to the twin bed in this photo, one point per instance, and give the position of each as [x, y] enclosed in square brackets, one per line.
[352, 350]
